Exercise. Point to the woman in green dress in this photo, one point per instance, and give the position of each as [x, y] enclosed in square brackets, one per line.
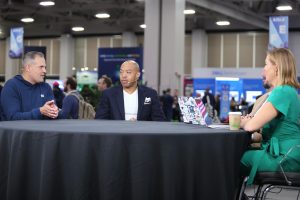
[278, 118]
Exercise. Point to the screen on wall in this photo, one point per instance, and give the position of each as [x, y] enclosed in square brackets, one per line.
[201, 84]
[110, 60]
[251, 96]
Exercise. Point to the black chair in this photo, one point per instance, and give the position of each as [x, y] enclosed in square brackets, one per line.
[281, 179]
[287, 180]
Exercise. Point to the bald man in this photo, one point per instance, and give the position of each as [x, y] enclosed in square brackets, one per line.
[130, 101]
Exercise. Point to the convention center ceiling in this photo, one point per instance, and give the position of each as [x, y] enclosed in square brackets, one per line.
[127, 15]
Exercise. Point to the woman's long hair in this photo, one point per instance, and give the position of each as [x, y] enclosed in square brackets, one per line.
[285, 61]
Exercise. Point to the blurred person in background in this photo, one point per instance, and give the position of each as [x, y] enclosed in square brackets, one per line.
[167, 104]
[218, 104]
[209, 98]
[104, 82]
[87, 93]
[176, 109]
[256, 137]
[233, 104]
[58, 94]
[27, 96]
[70, 106]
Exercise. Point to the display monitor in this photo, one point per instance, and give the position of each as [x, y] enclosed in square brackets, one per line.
[251, 96]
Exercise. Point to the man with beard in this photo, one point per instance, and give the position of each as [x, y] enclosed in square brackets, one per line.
[27, 96]
[70, 106]
[103, 83]
[130, 101]
[256, 137]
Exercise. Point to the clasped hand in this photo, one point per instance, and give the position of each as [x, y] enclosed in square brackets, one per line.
[245, 119]
[49, 109]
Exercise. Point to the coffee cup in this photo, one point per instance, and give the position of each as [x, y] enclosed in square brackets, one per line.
[234, 120]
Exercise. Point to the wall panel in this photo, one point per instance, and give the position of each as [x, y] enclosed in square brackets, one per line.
[214, 46]
[188, 55]
[229, 50]
[246, 50]
[92, 53]
[262, 40]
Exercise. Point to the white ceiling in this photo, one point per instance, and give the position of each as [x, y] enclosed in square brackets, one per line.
[127, 15]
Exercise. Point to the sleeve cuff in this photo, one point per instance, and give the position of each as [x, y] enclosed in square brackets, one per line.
[36, 113]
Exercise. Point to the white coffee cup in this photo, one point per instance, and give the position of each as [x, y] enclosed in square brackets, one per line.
[234, 120]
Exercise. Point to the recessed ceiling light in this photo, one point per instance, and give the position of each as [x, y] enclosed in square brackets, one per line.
[77, 28]
[27, 19]
[143, 26]
[102, 15]
[223, 23]
[47, 3]
[189, 12]
[284, 8]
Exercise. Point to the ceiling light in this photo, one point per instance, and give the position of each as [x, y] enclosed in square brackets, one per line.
[118, 36]
[284, 7]
[47, 3]
[27, 20]
[102, 15]
[143, 26]
[189, 12]
[77, 28]
[227, 79]
[223, 23]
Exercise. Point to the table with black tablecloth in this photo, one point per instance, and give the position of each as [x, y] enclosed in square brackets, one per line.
[118, 160]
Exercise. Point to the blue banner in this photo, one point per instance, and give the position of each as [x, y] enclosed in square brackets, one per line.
[278, 32]
[16, 42]
[225, 101]
[110, 60]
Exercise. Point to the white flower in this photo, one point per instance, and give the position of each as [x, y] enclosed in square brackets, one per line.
[147, 100]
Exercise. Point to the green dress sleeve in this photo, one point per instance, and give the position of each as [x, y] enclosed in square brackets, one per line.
[279, 98]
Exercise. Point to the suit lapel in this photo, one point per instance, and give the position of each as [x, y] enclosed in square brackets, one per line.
[141, 94]
[120, 102]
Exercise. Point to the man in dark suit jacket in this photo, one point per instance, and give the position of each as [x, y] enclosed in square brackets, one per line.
[130, 101]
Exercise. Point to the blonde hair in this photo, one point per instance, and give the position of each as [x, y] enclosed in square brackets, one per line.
[285, 61]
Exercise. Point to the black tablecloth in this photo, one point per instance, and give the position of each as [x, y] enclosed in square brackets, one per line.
[118, 160]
